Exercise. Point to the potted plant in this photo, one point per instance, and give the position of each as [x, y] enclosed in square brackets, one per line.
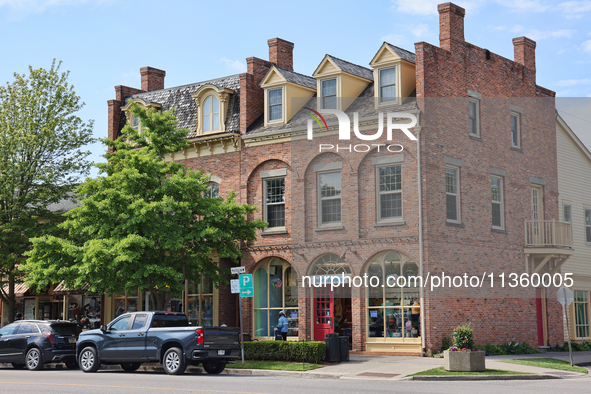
[462, 356]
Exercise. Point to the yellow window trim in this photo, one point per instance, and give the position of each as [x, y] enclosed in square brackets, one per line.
[222, 95]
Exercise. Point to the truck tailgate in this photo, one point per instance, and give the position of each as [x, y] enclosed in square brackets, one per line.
[221, 337]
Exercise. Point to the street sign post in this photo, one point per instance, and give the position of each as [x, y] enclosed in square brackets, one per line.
[246, 285]
[235, 286]
[565, 297]
[237, 270]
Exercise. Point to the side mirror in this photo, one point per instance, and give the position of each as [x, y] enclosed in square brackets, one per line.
[104, 329]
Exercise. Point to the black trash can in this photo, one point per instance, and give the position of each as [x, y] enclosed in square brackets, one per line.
[344, 348]
[332, 348]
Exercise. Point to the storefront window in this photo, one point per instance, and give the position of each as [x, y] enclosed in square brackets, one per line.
[126, 302]
[275, 290]
[200, 306]
[393, 311]
[74, 307]
[581, 314]
[92, 312]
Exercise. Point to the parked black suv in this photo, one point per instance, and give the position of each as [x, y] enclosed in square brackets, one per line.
[34, 343]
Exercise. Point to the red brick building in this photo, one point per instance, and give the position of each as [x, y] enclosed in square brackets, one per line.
[486, 129]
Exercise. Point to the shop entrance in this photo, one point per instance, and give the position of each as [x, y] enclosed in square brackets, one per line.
[332, 312]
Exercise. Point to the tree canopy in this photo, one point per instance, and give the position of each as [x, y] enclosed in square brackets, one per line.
[144, 222]
[42, 159]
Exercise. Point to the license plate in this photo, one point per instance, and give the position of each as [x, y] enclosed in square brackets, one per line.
[221, 352]
[72, 340]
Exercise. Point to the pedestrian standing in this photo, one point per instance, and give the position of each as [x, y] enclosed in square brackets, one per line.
[282, 325]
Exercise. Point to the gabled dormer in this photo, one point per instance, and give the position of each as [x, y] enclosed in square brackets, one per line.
[286, 92]
[133, 120]
[339, 82]
[212, 108]
[394, 74]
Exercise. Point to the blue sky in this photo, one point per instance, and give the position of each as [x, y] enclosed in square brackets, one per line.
[105, 42]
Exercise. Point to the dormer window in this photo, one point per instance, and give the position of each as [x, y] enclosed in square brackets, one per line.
[212, 105]
[329, 93]
[135, 123]
[387, 81]
[211, 115]
[275, 100]
[134, 120]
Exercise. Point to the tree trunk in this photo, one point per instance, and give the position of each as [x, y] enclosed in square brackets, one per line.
[160, 299]
[10, 300]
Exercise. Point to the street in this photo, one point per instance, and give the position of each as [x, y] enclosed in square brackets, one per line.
[64, 381]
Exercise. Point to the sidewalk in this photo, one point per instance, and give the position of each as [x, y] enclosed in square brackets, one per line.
[391, 367]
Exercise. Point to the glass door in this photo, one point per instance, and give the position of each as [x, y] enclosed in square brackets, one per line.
[323, 313]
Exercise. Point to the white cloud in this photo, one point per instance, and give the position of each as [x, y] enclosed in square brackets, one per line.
[429, 7]
[420, 30]
[574, 9]
[236, 65]
[540, 35]
[524, 5]
[395, 39]
[511, 29]
[574, 82]
[586, 47]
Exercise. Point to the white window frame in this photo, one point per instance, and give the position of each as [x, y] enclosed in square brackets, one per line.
[380, 193]
[265, 204]
[501, 202]
[280, 120]
[518, 131]
[396, 84]
[211, 113]
[320, 199]
[477, 104]
[336, 95]
[587, 226]
[457, 195]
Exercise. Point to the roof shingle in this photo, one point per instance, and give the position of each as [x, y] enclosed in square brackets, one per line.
[351, 68]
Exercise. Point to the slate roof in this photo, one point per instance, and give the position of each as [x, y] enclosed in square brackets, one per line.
[297, 78]
[364, 105]
[64, 205]
[351, 68]
[186, 109]
[403, 53]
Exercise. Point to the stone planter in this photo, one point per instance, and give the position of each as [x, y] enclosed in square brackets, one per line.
[464, 361]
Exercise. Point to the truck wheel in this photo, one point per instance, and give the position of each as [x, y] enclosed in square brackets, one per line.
[34, 359]
[130, 367]
[174, 361]
[214, 368]
[88, 360]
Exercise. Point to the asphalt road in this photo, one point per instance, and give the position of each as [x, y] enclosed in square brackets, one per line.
[64, 381]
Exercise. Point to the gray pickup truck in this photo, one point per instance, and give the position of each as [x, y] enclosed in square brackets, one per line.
[165, 337]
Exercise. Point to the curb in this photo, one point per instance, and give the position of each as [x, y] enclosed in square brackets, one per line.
[433, 378]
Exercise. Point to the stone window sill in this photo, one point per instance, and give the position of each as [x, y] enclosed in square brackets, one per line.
[386, 224]
[274, 231]
[498, 230]
[475, 138]
[517, 149]
[452, 224]
[329, 228]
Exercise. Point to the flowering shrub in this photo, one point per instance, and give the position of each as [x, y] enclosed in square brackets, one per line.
[464, 349]
[463, 337]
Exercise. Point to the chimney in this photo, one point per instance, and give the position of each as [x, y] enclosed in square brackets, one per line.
[451, 25]
[281, 53]
[152, 78]
[251, 94]
[525, 51]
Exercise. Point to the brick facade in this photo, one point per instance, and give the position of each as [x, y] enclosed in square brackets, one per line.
[443, 76]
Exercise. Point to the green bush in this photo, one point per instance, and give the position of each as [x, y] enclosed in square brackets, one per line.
[445, 343]
[494, 350]
[313, 352]
[463, 337]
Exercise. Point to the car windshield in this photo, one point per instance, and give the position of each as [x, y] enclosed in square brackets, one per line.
[170, 321]
[65, 329]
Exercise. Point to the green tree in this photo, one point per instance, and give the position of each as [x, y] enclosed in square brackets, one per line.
[143, 223]
[41, 161]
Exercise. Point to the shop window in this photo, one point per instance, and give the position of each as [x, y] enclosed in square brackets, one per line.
[126, 302]
[200, 302]
[275, 290]
[581, 314]
[393, 304]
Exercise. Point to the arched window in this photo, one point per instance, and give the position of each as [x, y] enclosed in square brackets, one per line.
[275, 290]
[330, 264]
[213, 191]
[393, 300]
[211, 114]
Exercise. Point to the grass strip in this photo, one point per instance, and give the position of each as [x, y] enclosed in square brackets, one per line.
[274, 365]
[442, 372]
[551, 363]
